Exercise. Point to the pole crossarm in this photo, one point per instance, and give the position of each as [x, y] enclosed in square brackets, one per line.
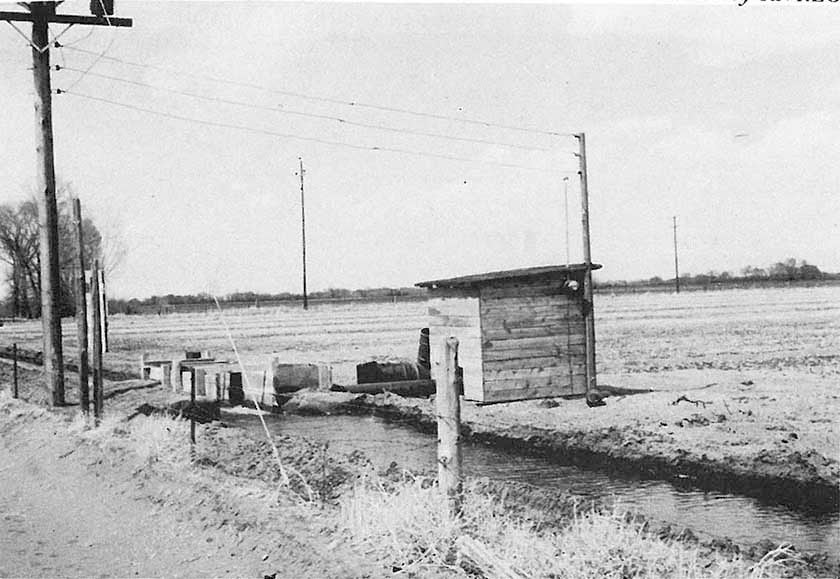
[69, 19]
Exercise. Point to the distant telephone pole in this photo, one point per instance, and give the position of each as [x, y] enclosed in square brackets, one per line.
[303, 234]
[676, 259]
[41, 15]
[589, 318]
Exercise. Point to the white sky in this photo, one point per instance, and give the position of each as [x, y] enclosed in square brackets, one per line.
[726, 116]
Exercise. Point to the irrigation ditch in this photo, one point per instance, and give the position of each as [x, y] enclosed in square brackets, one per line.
[810, 504]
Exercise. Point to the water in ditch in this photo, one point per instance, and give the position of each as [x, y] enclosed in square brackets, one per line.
[743, 519]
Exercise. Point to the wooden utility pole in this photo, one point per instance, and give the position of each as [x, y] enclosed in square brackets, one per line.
[41, 15]
[96, 341]
[303, 234]
[47, 210]
[676, 260]
[566, 216]
[591, 381]
[81, 309]
[448, 405]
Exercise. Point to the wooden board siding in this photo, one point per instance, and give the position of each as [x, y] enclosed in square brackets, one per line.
[533, 340]
[459, 317]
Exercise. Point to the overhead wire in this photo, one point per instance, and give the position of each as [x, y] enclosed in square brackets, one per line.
[293, 112]
[351, 103]
[267, 132]
[99, 56]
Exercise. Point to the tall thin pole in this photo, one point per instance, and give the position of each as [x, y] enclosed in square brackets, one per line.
[81, 309]
[676, 260]
[47, 210]
[303, 234]
[566, 215]
[589, 318]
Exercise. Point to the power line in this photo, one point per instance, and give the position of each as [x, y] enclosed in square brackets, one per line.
[100, 55]
[256, 130]
[356, 104]
[298, 113]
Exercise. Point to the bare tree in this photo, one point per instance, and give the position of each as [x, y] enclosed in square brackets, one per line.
[20, 249]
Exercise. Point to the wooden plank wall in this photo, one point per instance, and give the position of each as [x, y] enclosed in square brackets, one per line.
[457, 316]
[533, 339]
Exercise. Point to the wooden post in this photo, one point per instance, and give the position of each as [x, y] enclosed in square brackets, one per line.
[81, 310]
[591, 381]
[192, 406]
[103, 310]
[96, 342]
[676, 261]
[14, 369]
[47, 209]
[449, 428]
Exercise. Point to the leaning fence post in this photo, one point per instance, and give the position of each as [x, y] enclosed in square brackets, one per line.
[449, 429]
[14, 368]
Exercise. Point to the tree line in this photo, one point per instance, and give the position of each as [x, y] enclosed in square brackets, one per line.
[172, 302]
[20, 250]
[787, 271]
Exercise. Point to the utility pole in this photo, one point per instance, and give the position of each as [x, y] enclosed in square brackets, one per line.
[303, 234]
[41, 15]
[566, 215]
[589, 318]
[676, 260]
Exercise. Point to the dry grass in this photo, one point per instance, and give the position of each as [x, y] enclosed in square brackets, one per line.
[160, 441]
[407, 529]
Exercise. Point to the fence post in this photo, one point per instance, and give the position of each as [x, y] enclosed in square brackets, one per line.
[81, 310]
[449, 429]
[192, 407]
[96, 342]
[14, 368]
[103, 310]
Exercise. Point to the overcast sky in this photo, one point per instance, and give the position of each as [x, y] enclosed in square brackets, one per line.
[727, 117]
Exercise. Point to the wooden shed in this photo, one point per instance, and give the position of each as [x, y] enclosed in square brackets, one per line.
[522, 333]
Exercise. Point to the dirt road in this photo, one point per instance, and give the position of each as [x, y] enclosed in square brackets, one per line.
[75, 508]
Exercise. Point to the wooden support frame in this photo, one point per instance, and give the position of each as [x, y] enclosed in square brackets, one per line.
[70, 19]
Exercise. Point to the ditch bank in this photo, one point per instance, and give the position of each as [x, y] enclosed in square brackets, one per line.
[807, 479]
[209, 496]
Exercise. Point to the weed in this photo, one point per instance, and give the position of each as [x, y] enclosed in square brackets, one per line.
[405, 527]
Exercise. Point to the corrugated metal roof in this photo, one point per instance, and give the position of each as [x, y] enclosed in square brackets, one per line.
[545, 271]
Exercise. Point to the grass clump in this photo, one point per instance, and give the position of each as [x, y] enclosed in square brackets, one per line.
[159, 440]
[406, 528]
